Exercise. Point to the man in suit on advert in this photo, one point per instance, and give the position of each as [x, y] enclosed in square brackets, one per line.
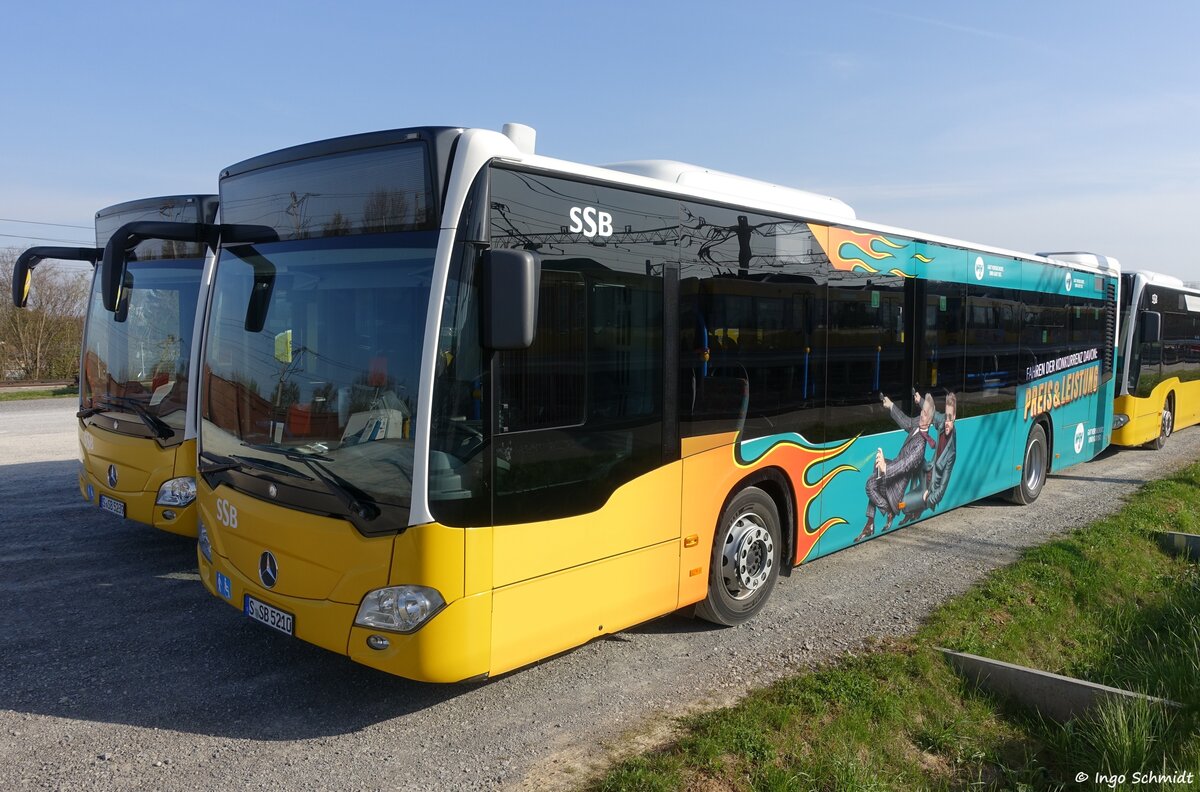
[892, 477]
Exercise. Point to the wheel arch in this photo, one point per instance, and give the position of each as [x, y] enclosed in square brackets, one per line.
[1047, 424]
[778, 486]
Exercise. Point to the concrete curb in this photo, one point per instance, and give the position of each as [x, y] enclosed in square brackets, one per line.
[1177, 543]
[1056, 697]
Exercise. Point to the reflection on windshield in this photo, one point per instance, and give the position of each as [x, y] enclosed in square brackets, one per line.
[315, 347]
[141, 363]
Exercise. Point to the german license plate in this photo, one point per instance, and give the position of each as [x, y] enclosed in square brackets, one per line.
[270, 616]
[112, 505]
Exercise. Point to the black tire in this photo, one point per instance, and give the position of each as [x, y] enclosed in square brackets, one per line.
[1166, 425]
[746, 558]
[1034, 466]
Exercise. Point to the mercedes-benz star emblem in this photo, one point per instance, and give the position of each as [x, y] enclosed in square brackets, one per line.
[112, 476]
[272, 490]
[268, 569]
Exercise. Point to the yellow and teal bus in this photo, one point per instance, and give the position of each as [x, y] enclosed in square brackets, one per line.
[137, 446]
[463, 406]
[1158, 384]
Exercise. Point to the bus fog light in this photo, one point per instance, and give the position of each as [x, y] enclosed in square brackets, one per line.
[378, 642]
[1119, 420]
[399, 608]
[177, 492]
[203, 542]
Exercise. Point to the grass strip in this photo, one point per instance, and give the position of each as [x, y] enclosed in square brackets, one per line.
[1103, 604]
[49, 393]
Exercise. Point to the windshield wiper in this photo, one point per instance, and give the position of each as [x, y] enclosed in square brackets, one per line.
[354, 499]
[161, 428]
[217, 463]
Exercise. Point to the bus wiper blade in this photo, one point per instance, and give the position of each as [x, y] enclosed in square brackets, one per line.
[351, 496]
[276, 467]
[294, 454]
[161, 428]
[217, 463]
[88, 412]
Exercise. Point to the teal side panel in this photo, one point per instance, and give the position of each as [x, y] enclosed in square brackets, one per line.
[982, 466]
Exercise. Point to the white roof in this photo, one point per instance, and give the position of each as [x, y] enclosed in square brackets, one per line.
[1168, 281]
[1092, 260]
[697, 176]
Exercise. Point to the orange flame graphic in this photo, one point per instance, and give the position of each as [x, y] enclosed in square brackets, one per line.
[798, 461]
[866, 244]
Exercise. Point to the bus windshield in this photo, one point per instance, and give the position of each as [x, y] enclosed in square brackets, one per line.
[312, 358]
[140, 365]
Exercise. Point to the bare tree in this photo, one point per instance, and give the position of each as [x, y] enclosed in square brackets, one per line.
[41, 341]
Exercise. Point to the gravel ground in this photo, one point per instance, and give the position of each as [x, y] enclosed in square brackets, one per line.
[117, 670]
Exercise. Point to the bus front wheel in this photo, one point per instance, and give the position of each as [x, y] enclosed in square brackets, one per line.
[1033, 467]
[745, 559]
[1166, 425]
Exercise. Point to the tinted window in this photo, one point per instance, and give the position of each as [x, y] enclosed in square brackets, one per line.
[1181, 344]
[941, 362]
[752, 325]
[173, 209]
[994, 363]
[1045, 327]
[867, 330]
[581, 411]
[361, 192]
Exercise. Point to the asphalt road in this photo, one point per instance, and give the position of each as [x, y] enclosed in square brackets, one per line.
[117, 670]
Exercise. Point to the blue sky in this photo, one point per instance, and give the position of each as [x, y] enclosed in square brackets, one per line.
[1026, 125]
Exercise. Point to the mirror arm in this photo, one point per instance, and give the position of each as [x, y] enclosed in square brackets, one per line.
[35, 255]
[125, 238]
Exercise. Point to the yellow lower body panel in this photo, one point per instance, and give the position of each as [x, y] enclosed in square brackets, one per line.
[140, 506]
[451, 647]
[319, 622]
[537, 618]
[139, 467]
[1145, 412]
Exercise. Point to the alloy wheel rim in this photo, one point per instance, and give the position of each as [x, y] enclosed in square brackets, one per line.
[748, 557]
[1035, 462]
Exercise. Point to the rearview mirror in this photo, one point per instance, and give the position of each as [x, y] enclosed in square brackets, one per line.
[125, 238]
[23, 268]
[510, 297]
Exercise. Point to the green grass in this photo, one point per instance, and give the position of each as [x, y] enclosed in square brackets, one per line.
[49, 393]
[1104, 604]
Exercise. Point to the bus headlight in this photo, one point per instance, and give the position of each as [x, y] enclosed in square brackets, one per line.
[202, 541]
[399, 608]
[177, 492]
[1119, 420]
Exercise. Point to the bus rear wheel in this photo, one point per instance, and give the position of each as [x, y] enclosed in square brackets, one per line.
[745, 559]
[1166, 425]
[1033, 467]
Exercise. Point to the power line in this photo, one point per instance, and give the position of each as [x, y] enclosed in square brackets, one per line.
[38, 222]
[84, 242]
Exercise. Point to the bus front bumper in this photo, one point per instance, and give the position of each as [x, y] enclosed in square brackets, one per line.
[453, 646]
[138, 506]
[1135, 429]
